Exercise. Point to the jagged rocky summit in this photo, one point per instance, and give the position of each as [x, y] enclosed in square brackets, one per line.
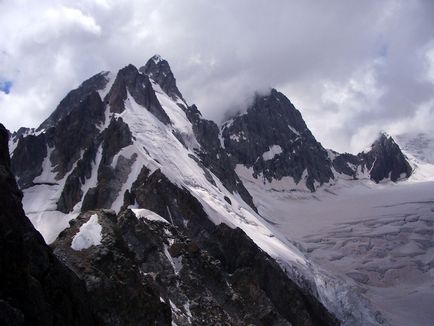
[161, 191]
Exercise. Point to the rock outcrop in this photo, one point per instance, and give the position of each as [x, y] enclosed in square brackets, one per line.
[28, 158]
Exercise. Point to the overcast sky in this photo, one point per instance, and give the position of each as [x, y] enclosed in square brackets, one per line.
[352, 68]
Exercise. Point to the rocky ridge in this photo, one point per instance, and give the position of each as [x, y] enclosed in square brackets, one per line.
[272, 139]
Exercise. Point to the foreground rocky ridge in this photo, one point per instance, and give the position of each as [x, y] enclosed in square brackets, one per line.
[35, 287]
[145, 265]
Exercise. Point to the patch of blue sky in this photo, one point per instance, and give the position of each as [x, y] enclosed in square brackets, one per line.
[6, 86]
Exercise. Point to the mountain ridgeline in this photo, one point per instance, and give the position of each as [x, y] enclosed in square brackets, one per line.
[181, 238]
[273, 139]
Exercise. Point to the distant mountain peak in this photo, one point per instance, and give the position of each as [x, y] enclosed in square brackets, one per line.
[385, 160]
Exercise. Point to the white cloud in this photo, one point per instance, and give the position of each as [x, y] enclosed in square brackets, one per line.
[349, 66]
[70, 19]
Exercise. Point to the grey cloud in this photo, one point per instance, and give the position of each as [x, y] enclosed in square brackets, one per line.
[352, 67]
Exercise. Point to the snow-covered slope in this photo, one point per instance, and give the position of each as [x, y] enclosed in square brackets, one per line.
[420, 145]
[419, 148]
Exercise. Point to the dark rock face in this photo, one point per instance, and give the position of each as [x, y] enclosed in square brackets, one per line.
[385, 160]
[159, 70]
[75, 133]
[21, 132]
[139, 86]
[73, 99]
[256, 273]
[155, 192]
[116, 137]
[110, 180]
[213, 156]
[28, 158]
[346, 164]
[35, 288]
[72, 193]
[272, 120]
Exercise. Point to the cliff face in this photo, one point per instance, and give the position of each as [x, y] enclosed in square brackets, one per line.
[35, 287]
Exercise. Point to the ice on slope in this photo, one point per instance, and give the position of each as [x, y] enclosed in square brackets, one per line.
[89, 234]
[419, 149]
[40, 203]
[148, 215]
[293, 130]
[419, 145]
[378, 235]
[177, 116]
[110, 77]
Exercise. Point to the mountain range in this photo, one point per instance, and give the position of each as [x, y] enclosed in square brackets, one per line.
[149, 215]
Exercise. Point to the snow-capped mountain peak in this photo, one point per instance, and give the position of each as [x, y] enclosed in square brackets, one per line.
[130, 140]
[159, 70]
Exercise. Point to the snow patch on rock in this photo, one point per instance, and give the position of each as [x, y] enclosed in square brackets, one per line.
[293, 130]
[89, 234]
[272, 152]
[148, 215]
